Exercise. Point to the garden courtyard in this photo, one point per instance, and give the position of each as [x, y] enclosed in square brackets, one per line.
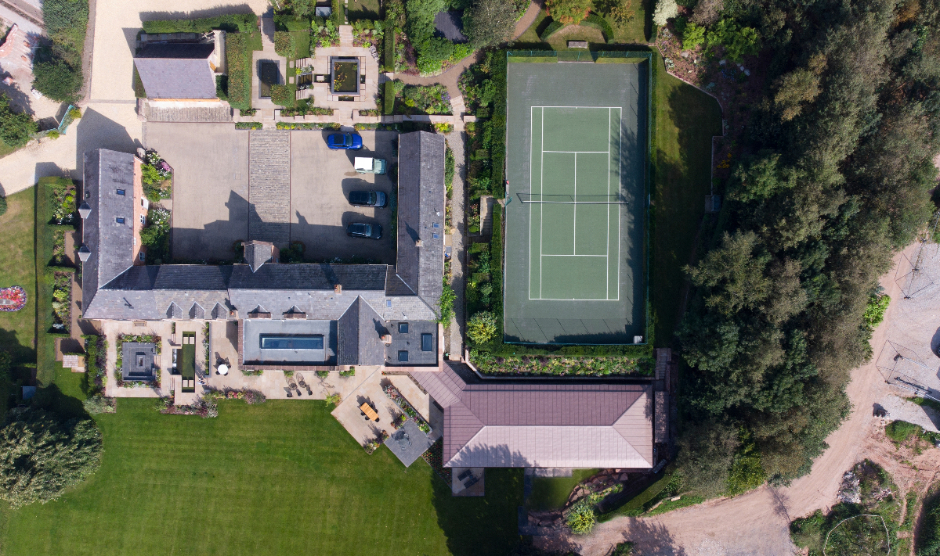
[276, 478]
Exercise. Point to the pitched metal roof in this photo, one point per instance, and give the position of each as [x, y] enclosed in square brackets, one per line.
[525, 424]
[421, 197]
[176, 71]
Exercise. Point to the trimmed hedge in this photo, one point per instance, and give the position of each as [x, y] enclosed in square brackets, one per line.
[238, 58]
[595, 21]
[552, 28]
[389, 54]
[242, 23]
[338, 14]
[285, 95]
[388, 98]
[286, 22]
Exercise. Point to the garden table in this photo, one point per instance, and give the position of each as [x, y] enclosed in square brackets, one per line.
[370, 413]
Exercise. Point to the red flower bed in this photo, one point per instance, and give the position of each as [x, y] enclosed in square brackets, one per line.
[12, 298]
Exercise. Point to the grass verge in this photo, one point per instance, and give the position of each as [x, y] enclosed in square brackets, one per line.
[18, 329]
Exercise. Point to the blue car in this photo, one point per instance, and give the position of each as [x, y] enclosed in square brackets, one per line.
[344, 141]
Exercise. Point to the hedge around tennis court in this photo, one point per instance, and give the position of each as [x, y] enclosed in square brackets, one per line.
[241, 23]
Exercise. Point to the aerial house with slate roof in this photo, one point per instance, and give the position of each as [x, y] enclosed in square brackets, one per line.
[289, 316]
[181, 70]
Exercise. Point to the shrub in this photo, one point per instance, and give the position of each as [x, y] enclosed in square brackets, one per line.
[334, 399]
[446, 304]
[552, 28]
[569, 12]
[285, 95]
[75, 113]
[595, 21]
[738, 41]
[665, 10]
[581, 519]
[57, 79]
[100, 404]
[489, 22]
[692, 36]
[928, 541]
[900, 431]
[15, 127]
[482, 327]
[3, 205]
[388, 98]
[45, 456]
[284, 44]
[875, 312]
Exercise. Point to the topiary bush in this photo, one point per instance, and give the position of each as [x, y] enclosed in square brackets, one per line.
[595, 21]
[552, 28]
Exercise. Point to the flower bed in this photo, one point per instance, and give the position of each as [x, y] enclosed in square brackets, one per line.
[207, 409]
[63, 199]
[394, 395]
[325, 35]
[96, 349]
[285, 125]
[62, 302]
[251, 397]
[435, 458]
[157, 177]
[12, 299]
[526, 365]
[415, 99]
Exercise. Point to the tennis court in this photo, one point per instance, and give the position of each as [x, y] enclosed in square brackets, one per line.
[574, 209]
[576, 212]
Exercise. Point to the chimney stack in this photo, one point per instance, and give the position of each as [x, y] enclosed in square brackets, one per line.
[387, 339]
[338, 289]
[418, 243]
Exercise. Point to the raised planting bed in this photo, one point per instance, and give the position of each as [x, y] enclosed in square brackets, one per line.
[559, 365]
[406, 407]
[12, 299]
[344, 75]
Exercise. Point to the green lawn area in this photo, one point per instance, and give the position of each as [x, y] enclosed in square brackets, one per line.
[18, 329]
[685, 119]
[552, 493]
[630, 32]
[363, 9]
[279, 478]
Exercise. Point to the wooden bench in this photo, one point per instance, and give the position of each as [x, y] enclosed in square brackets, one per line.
[577, 44]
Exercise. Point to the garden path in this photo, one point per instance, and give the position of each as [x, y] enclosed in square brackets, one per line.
[527, 19]
[458, 265]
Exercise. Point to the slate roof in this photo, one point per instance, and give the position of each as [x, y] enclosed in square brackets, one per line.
[359, 336]
[176, 70]
[411, 342]
[526, 424]
[111, 243]
[421, 198]
[257, 253]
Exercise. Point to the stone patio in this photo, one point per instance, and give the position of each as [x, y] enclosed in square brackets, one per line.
[458, 487]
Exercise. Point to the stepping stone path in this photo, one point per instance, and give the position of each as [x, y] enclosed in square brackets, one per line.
[345, 35]
[269, 186]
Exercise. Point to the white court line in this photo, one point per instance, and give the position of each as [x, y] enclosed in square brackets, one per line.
[574, 225]
[573, 255]
[531, 136]
[584, 152]
[619, 188]
[588, 107]
[607, 251]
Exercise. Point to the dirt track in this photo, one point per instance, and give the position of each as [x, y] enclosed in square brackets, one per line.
[757, 522]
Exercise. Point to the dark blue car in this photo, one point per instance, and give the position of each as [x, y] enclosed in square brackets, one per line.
[344, 141]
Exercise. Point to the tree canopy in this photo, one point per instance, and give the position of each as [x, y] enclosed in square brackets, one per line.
[832, 176]
[15, 127]
[41, 456]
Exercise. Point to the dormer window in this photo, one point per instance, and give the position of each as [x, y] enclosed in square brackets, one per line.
[120, 192]
[120, 220]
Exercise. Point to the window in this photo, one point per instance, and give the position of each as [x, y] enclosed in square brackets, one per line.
[403, 328]
[402, 356]
[142, 256]
[119, 220]
[435, 225]
[435, 236]
[305, 341]
[142, 218]
[427, 342]
[120, 191]
[388, 302]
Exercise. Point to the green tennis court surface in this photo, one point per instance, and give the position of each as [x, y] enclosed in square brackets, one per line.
[575, 221]
[574, 231]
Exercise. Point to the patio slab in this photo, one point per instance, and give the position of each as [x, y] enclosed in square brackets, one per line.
[459, 488]
[408, 443]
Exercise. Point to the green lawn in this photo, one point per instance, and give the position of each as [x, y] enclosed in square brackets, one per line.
[18, 329]
[280, 478]
[363, 9]
[552, 493]
[685, 119]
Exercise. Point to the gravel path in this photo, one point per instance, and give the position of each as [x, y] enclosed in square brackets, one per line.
[757, 522]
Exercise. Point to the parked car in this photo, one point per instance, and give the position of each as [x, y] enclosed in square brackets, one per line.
[370, 165]
[368, 231]
[375, 199]
[344, 141]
